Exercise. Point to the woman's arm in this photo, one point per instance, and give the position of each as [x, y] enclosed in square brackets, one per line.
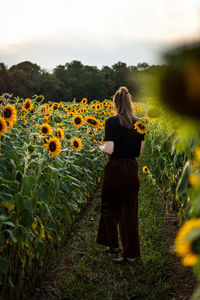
[107, 148]
[142, 147]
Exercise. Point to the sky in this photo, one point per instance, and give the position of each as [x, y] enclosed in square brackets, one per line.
[95, 32]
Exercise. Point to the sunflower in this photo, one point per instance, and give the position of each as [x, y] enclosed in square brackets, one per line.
[76, 143]
[101, 126]
[46, 119]
[101, 140]
[91, 132]
[54, 146]
[10, 114]
[140, 127]
[22, 116]
[93, 107]
[45, 110]
[55, 106]
[27, 105]
[83, 110]
[92, 121]
[46, 129]
[98, 107]
[145, 169]
[187, 242]
[105, 102]
[78, 120]
[60, 134]
[84, 101]
[39, 98]
[3, 126]
[9, 124]
[194, 180]
[112, 113]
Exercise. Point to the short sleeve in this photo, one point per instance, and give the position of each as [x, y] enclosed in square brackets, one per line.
[109, 131]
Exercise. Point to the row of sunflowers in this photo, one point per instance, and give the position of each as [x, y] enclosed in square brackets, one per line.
[49, 168]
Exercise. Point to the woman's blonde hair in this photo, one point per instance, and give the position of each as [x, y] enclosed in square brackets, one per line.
[122, 100]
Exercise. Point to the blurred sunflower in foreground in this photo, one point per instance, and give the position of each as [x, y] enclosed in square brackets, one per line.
[187, 242]
[179, 82]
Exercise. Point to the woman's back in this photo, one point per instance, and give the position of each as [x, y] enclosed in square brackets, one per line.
[127, 142]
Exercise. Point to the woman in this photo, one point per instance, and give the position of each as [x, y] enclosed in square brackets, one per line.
[119, 197]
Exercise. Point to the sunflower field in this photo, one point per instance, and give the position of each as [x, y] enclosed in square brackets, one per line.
[50, 167]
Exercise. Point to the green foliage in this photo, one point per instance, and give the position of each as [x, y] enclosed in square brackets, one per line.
[69, 81]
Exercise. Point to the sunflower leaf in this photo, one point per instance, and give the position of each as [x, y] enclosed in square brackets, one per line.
[3, 265]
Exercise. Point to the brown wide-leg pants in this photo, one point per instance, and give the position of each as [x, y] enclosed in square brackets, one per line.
[119, 203]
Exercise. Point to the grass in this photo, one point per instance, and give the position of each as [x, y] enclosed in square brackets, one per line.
[88, 273]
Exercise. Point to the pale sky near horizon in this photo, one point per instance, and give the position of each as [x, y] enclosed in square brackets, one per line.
[53, 32]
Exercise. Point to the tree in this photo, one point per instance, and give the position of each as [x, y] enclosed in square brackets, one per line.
[4, 82]
[142, 66]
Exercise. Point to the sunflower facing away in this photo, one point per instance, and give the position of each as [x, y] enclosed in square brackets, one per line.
[92, 121]
[76, 143]
[46, 129]
[140, 127]
[54, 146]
[10, 114]
[3, 126]
[77, 120]
[27, 106]
[60, 134]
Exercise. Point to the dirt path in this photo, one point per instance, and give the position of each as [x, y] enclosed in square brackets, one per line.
[85, 271]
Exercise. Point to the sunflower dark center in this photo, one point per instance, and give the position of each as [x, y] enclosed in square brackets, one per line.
[44, 130]
[27, 105]
[77, 120]
[55, 107]
[1, 126]
[92, 122]
[141, 126]
[52, 146]
[7, 113]
[75, 144]
[195, 246]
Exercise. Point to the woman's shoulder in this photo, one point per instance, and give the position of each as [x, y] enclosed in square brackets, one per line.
[113, 119]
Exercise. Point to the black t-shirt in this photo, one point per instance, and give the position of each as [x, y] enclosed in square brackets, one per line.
[127, 142]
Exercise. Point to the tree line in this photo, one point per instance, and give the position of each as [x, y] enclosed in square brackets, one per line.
[72, 80]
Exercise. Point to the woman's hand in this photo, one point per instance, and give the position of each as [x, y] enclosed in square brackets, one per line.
[107, 147]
